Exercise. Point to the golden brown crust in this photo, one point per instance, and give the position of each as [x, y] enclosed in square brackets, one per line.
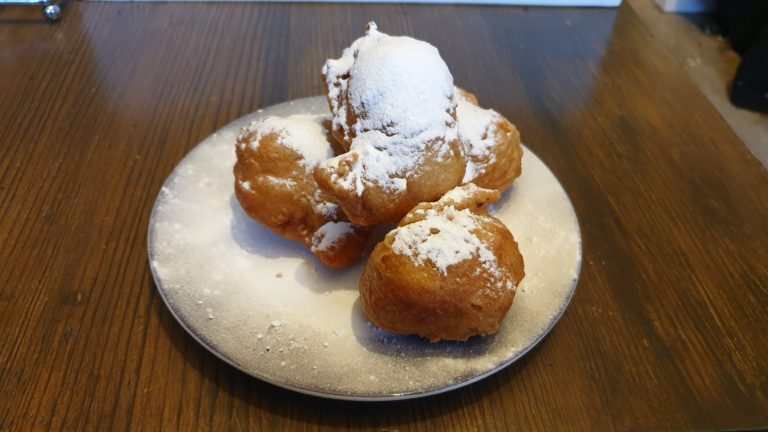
[337, 147]
[508, 155]
[282, 195]
[404, 296]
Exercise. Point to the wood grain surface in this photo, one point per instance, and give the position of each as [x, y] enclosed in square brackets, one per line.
[669, 325]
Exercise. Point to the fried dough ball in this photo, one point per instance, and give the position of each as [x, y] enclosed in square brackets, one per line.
[394, 110]
[491, 143]
[448, 271]
[274, 185]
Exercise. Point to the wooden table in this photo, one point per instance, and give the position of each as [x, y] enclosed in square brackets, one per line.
[669, 325]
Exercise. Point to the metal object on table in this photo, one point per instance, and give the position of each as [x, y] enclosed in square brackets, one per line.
[51, 8]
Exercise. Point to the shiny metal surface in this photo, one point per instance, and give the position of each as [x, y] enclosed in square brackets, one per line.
[52, 12]
[51, 9]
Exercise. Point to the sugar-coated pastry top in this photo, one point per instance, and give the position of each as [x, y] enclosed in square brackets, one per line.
[444, 233]
[301, 133]
[396, 84]
[391, 97]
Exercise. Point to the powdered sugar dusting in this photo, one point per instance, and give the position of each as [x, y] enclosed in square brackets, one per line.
[459, 194]
[477, 127]
[279, 181]
[401, 93]
[380, 160]
[330, 234]
[401, 86]
[336, 72]
[301, 133]
[444, 238]
[325, 208]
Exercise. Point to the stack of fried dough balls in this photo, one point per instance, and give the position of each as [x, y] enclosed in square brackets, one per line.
[401, 145]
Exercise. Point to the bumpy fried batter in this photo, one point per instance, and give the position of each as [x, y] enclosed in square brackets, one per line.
[491, 143]
[394, 110]
[449, 271]
[274, 184]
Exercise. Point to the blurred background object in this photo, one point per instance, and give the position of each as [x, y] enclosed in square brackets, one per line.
[50, 8]
[553, 3]
[745, 22]
[712, 47]
[686, 6]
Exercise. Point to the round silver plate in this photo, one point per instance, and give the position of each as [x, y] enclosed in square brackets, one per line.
[266, 306]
